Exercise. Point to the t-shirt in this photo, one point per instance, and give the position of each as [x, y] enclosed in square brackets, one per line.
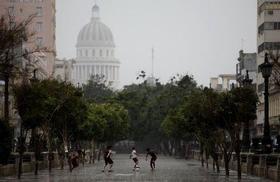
[107, 153]
[133, 154]
[152, 154]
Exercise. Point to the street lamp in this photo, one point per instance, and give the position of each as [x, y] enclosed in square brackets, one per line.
[246, 82]
[34, 77]
[266, 69]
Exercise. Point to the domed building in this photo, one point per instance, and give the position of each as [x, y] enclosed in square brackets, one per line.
[95, 53]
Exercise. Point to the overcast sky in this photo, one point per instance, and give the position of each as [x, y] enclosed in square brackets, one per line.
[199, 37]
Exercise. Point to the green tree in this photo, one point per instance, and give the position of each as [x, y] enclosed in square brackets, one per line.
[12, 36]
[97, 90]
[105, 123]
[245, 100]
[55, 108]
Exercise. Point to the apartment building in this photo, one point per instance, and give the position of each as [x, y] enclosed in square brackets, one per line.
[43, 26]
[268, 40]
[246, 62]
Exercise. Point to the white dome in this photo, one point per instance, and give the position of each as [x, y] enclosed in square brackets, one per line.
[95, 33]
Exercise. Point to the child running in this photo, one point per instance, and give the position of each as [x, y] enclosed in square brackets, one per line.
[108, 159]
[134, 156]
[153, 158]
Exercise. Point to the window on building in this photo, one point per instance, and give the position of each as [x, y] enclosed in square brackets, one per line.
[101, 53]
[39, 42]
[112, 53]
[276, 25]
[269, 46]
[39, 11]
[107, 53]
[12, 24]
[11, 10]
[39, 26]
[86, 53]
[270, 12]
[268, 26]
[93, 52]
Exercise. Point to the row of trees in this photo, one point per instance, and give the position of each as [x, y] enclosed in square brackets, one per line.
[171, 116]
[215, 120]
[58, 115]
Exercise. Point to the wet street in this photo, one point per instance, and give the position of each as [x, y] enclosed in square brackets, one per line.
[167, 169]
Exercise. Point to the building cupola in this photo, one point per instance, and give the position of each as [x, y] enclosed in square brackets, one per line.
[95, 12]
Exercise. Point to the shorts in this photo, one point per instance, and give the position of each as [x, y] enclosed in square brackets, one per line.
[108, 161]
[135, 160]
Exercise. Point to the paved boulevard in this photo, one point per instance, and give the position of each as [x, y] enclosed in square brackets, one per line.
[168, 169]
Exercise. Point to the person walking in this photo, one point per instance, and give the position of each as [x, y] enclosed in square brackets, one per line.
[108, 159]
[134, 157]
[153, 158]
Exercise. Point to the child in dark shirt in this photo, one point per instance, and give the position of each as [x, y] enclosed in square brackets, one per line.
[153, 158]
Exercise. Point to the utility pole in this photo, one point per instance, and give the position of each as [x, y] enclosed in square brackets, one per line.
[153, 52]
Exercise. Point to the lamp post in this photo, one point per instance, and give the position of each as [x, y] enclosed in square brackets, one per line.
[34, 77]
[246, 82]
[266, 69]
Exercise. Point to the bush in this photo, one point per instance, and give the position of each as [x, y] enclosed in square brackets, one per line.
[6, 139]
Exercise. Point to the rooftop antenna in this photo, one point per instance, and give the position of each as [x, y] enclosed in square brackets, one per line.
[242, 43]
[153, 52]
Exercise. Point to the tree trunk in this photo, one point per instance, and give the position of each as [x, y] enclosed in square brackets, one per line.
[207, 157]
[92, 157]
[226, 161]
[237, 151]
[36, 152]
[20, 165]
[201, 155]
[6, 97]
[50, 155]
[238, 164]
[21, 151]
[218, 166]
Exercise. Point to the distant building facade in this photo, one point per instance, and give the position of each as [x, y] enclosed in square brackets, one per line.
[223, 82]
[246, 62]
[96, 53]
[268, 40]
[43, 25]
[63, 70]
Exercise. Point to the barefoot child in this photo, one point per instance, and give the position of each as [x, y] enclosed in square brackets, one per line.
[108, 159]
[153, 158]
[134, 156]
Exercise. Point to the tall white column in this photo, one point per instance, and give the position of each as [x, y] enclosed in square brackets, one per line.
[84, 73]
[114, 73]
[88, 73]
[109, 72]
[102, 70]
[106, 72]
[118, 73]
[78, 73]
[97, 70]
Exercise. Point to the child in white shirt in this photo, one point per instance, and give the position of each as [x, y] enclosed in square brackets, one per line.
[134, 157]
